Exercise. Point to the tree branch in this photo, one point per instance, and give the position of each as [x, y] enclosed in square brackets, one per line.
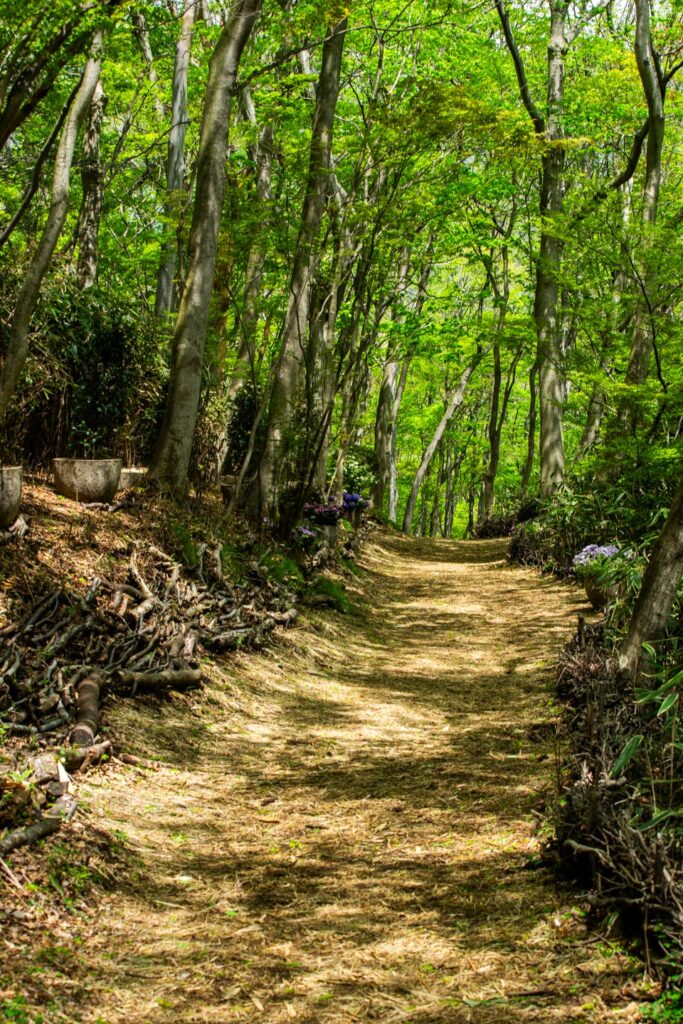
[524, 91]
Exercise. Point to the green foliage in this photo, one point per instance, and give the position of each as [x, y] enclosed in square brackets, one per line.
[360, 468]
[334, 594]
[667, 1010]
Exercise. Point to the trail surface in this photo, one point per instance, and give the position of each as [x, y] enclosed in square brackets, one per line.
[351, 830]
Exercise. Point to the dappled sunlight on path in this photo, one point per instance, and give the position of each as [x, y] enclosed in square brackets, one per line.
[350, 834]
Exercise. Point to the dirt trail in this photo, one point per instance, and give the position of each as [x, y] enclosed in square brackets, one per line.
[350, 836]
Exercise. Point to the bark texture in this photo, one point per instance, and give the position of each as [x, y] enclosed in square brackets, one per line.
[167, 290]
[91, 204]
[642, 336]
[658, 590]
[277, 448]
[172, 456]
[551, 247]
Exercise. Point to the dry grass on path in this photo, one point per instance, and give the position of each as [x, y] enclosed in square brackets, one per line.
[343, 828]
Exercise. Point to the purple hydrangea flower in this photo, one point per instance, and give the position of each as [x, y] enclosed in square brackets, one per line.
[593, 551]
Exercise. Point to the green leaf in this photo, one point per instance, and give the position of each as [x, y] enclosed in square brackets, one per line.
[626, 755]
[667, 703]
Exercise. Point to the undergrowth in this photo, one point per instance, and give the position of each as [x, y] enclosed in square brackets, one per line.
[619, 818]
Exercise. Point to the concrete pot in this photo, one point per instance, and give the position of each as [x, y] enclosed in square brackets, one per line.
[330, 533]
[10, 494]
[133, 476]
[600, 596]
[87, 479]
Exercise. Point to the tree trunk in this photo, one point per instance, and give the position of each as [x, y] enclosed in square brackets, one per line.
[244, 364]
[91, 205]
[550, 357]
[658, 590]
[391, 395]
[172, 456]
[454, 403]
[17, 340]
[294, 334]
[642, 336]
[245, 361]
[142, 36]
[531, 430]
[167, 286]
[546, 305]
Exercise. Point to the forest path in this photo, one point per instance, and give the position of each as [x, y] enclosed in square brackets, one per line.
[349, 834]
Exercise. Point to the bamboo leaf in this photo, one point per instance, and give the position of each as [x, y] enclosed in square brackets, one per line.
[626, 755]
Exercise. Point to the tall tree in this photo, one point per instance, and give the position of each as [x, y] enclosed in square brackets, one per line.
[550, 128]
[171, 460]
[17, 341]
[294, 333]
[167, 286]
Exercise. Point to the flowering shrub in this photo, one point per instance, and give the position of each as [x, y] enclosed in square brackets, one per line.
[353, 502]
[329, 514]
[323, 514]
[584, 561]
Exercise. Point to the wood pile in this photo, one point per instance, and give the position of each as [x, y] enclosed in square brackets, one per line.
[141, 634]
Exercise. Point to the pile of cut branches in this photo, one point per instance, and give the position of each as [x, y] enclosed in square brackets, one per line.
[142, 633]
[618, 820]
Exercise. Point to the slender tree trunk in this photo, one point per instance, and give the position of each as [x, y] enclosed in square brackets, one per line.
[393, 450]
[642, 336]
[487, 496]
[244, 364]
[546, 305]
[435, 521]
[550, 357]
[386, 401]
[172, 456]
[528, 467]
[245, 360]
[294, 335]
[17, 341]
[451, 502]
[142, 36]
[167, 286]
[658, 590]
[91, 205]
[454, 403]
[391, 395]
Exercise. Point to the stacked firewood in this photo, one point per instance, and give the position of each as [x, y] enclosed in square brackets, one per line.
[144, 633]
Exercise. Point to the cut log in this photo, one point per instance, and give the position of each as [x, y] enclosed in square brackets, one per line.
[63, 810]
[84, 732]
[174, 679]
[75, 757]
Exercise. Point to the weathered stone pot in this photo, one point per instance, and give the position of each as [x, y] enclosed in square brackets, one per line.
[87, 479]
[10, 494]
[330, 533]
[132, 476]
[597, 595]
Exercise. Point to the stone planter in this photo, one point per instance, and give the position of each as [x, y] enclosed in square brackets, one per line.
[330, 534]
[87, 479]
[597, 595]
[132, 476]
[10, 494]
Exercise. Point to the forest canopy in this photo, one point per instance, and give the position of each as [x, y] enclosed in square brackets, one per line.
[430, 251]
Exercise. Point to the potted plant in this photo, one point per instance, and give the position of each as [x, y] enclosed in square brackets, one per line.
[590, 565]
[10, 494]
[325, 515]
